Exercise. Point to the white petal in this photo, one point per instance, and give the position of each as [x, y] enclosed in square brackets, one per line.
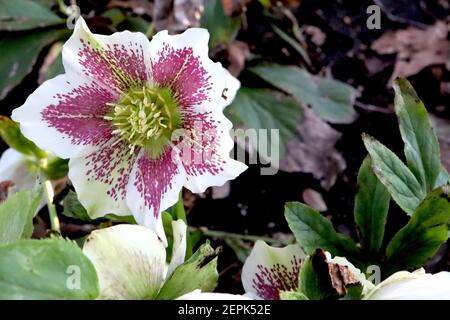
[179, 245]
[13, 167]
[129, 261]
[118, 61]
[100, 179]
[64, 115]
[269, 270]
[154, 186]
[405, 285]
[182, 63]
[205, 150]
[199, 295]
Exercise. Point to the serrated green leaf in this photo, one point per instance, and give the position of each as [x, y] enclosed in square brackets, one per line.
[16, 215]
[422, 236]
[395, 175]
[421, 144]
[371, 208]
[11, 134]
[222, 29]
[313, 231]
[46, 269]
[330, 99]
[25, 15]
[266, 109]
[198, 272]
[19, 53]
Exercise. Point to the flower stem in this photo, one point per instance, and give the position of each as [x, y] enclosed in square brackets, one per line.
[49, 193]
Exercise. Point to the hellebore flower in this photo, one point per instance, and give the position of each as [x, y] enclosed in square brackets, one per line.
[268, 271]
[130, 260]
[273, 273]
[417, 285]
[138, 119]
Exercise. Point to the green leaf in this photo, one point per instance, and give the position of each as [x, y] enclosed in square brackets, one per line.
[330, 99]
[266, 109]
[46, 269]
[136, 24]
[16, 215]
[313, 231]
[19, 53]
[25, 15]
[422, 236]
[294, 43]
[73, 208]
[222, 28]
[198, 272]
[395, 175]
[314, 281]
[168, 230]
[371, 208]
[11, 134]
[292, 295]
[57, 168]
[421, 144]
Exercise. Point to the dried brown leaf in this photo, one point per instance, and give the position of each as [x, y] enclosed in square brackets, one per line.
[415, 48]
[312, 150]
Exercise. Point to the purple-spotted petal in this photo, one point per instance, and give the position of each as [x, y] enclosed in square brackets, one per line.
[181, 62]
[119, 61]
[100, 179]
[154, 186]
[268, 270]
[65, 115]
[205, 150]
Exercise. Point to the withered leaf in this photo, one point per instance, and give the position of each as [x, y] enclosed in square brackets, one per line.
[312, 150]
[416, 48]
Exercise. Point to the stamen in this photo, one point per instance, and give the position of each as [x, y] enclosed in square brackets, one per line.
[145, 117]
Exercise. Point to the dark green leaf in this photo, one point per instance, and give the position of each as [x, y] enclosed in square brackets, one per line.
[425, 232]
[292, 295]
[395, 175]
[73, 208]
[294, 43]
[198, 272]
[168, 229]
[46, 269]
[25, 15]
[314, 280]
[266, 109]
[11, 134]
[56, 168]
[313, 231]
[330, 99]
[421, 143]
[222, 29]
[16, 215]
[19, 53]
[371, 208]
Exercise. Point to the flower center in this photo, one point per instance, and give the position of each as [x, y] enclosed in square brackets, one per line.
[146, 117]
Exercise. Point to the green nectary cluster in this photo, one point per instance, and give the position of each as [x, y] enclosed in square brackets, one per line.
[146, 117]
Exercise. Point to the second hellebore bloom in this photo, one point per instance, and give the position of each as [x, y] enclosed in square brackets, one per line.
[138, 119]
